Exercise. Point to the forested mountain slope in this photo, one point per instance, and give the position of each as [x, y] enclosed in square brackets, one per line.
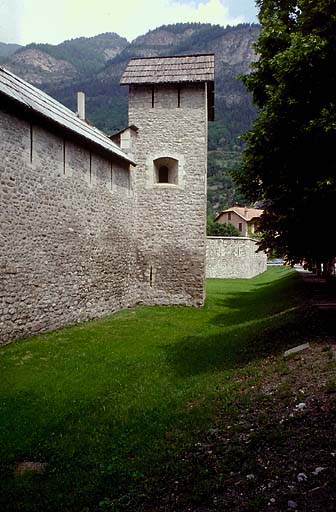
[95, 64]
[6, 50]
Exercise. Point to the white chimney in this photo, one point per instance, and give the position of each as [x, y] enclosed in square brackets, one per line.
[81, 105]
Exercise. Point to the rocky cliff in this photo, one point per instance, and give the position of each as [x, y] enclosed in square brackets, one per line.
[38, 67]
[95, 64]
[73, 59]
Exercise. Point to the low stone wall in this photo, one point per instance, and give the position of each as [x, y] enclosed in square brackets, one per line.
[234, 257]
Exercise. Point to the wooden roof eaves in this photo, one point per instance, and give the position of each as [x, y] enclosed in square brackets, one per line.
[131, 127]
[170, 69]
[175, 81]
[175, 56]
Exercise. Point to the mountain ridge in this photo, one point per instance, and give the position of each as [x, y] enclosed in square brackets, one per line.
[7, 49]
[83, 64]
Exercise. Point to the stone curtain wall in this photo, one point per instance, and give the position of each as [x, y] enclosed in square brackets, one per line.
[67, 232]
[81, 237]
[234, 257]
[171, 218]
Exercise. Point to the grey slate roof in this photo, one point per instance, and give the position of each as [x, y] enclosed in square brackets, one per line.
[28, 96]
[158, 70]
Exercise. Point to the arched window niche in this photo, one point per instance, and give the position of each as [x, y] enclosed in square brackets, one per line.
[166, 171]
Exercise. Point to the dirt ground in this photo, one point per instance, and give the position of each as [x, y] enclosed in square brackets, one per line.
[274, 449]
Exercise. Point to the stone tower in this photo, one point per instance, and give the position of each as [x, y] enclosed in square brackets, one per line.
[171, 100]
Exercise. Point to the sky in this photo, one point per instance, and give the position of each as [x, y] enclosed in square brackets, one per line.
[53, 21]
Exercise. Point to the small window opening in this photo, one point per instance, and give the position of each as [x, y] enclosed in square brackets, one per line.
[240, 227]
[31, 142]
[111, 177]
[229, 216]
[163, 174]
[166, 170]
[151, 276]
[179, 97]
[64, 162]
[129, 185]
[153, 96]
[90, 167]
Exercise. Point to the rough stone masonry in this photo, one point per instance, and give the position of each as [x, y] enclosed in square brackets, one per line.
[82, 232]
[68, 249]
[234, 257]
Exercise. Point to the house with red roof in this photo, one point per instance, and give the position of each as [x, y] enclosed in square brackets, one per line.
[244, 219]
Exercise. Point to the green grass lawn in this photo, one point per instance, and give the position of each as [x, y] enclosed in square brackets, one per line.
[110, 403]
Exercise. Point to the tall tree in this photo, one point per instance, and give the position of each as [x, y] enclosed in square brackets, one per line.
[290, 157]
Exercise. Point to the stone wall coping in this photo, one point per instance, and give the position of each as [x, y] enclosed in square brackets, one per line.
[233, 238]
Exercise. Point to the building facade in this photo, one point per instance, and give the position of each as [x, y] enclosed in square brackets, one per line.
[245, 220]
[170, 102]
[88, 227]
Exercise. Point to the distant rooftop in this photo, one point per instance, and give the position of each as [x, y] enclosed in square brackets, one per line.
[160, 70]
[245, 213]
[36, 101]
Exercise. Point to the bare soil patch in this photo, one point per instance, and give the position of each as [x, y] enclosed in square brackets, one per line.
[274, 449]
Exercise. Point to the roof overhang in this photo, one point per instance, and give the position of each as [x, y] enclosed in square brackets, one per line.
[23, 98]
[131, 127]
[170, 69]
[177, 70]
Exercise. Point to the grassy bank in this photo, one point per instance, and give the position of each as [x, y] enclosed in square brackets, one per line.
[111, 404]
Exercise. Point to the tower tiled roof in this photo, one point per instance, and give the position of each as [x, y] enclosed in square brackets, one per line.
[177, 69]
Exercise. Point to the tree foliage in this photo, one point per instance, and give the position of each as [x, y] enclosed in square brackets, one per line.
[216, 229]
[289, 162]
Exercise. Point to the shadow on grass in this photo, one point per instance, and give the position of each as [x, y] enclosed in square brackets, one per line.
[252, 326]
[92, 453]
[195, 355]
[260, 303]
